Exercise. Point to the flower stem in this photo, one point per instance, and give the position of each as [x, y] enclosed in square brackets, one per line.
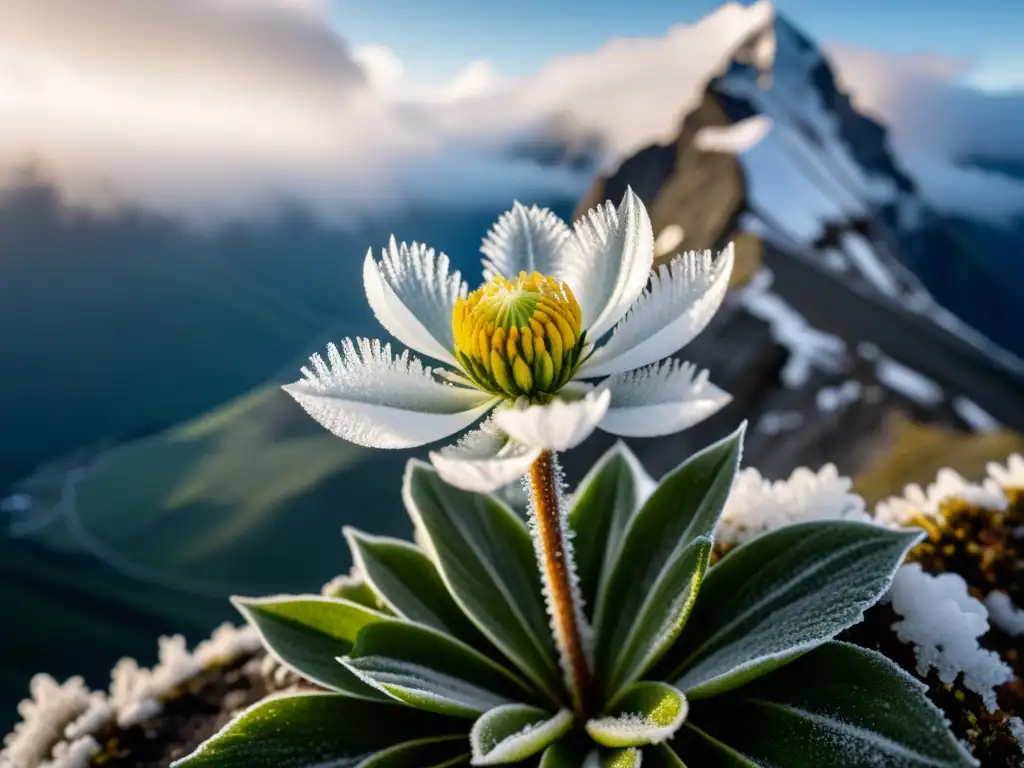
[554, 554]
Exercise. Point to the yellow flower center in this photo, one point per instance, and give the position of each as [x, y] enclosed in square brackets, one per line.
[519, 337]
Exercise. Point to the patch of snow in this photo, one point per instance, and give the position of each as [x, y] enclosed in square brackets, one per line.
[834, 260]
[976, 417]
[757, 505]
[867, 261]
[943, 623]
[43, 720]
[777, 422]
[97, 715]
[75, 754]
[668, 240]
[59, 721]
[733, 139]
[901, 378]
[809, 349]
[835, 398]
[1016, 726]
[226, 644]
[1004, 613]
[1009, 476]
[899, 511]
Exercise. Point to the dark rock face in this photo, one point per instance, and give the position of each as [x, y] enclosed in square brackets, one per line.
[702, 193]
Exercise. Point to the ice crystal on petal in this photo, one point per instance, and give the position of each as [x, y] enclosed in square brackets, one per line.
[943, 623]
[757, 505]
[669, 381]
[531, 240]
[681, 299]
[425, 283]
[366, 371]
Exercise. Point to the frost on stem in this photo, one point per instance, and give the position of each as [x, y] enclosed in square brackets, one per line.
[552, 541]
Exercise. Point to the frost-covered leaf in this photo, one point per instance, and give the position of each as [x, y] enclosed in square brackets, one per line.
[602, 507]
[307, 632]
[661, 616]
[684, 507]
[514, 732]
[781, 595]
[443, 752]
[354, 590]
[315, 730]
[838, 705]
[409, 584]
[645, 713]
[485, 556]
[427, 669]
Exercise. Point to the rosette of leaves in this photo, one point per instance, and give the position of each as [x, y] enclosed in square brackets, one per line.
[446, 656]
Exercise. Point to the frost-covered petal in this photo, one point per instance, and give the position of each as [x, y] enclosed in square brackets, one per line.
[531, 240]
[660, 399]
[484, 460]
[679, 303]
[412, 292]
[558, 426]
[616, 246]
[366, 396]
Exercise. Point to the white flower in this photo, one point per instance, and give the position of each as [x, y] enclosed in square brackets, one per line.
[525, 344]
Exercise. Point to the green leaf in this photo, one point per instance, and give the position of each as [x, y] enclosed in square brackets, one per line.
[645, 713]
[782, 594]
[838, 705]
[684, 507]
[486, 558]
[443, 752]
[424, 668]
[602, 508]
[356, 591]
[565, 753]
[661, 616]
[409, 584]
[307, 633]
[315, 729]
[514, 732]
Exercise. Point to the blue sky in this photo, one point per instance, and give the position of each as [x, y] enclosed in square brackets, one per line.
[436, 38]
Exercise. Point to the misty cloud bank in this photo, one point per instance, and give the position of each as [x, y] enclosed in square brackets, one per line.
[216, 109]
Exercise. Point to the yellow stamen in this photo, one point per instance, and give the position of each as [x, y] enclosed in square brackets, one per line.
[519, 337]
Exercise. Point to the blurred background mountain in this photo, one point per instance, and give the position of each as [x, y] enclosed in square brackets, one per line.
[165, 265]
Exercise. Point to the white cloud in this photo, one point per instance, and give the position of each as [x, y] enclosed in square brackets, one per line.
[383, 69]
[222, 108]
[476, 79]
[935, 121]
[215, 109]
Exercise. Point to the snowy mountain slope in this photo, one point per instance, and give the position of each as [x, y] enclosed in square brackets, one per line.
[739, 115]
[836, 332]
